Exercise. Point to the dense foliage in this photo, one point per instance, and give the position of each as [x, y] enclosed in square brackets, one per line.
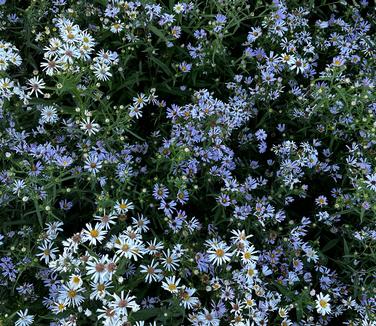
[210, 162]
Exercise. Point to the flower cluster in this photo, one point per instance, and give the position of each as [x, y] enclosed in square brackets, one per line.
[187, 163]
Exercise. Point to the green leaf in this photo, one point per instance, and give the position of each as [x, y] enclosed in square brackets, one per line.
[161, 65]
[158, 33]
[346, 250]
[37, 208]
[330, 245]
[299, 310]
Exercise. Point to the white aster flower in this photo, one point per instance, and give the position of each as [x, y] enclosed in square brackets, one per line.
[36, 85]
[219, 253]
[101, 71]
[171, 284]
[322, 304]
[25, 319]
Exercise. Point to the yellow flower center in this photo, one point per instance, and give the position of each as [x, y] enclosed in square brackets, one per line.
[76, 279]
[94, 233]
[247, 255]
[172, 287]
[100, 287]
[72, 293]
[220, 252]
[251, 272]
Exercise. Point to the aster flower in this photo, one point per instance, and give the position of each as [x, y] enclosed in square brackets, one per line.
[89, 127]
[102, 71]
[297, 64]
[24, 318]
[322, 304]
[51, 66]
[338, 62]
[93, 164]
[311, 254]
[109, 315]
[248, 254]
[141, 222]
[72, 296]
[170, 260]
[153, 247]
[47, 251]
[209, 318]
[75, 281]
[94, 234]
[123, 206]
[187, 300]
[122, 302]
[321, 201]
[250, 271]
[152, 272]
[49, 114]
[65, 205]
[240, 237]
[68, 53]
[160, 192]
[18, 185]
[171, 284]
[96, 268]
[219, 253]
[36, 84]
[106, 220]
[117, 27]
[371, 181]
[100, 290]
[135, 111]
[129, 248]
[140, 100]
[59, 307]
[185, 67]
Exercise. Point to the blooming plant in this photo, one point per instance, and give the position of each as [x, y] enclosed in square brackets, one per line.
[187, 162]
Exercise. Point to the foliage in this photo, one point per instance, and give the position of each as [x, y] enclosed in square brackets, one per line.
[169, 163]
